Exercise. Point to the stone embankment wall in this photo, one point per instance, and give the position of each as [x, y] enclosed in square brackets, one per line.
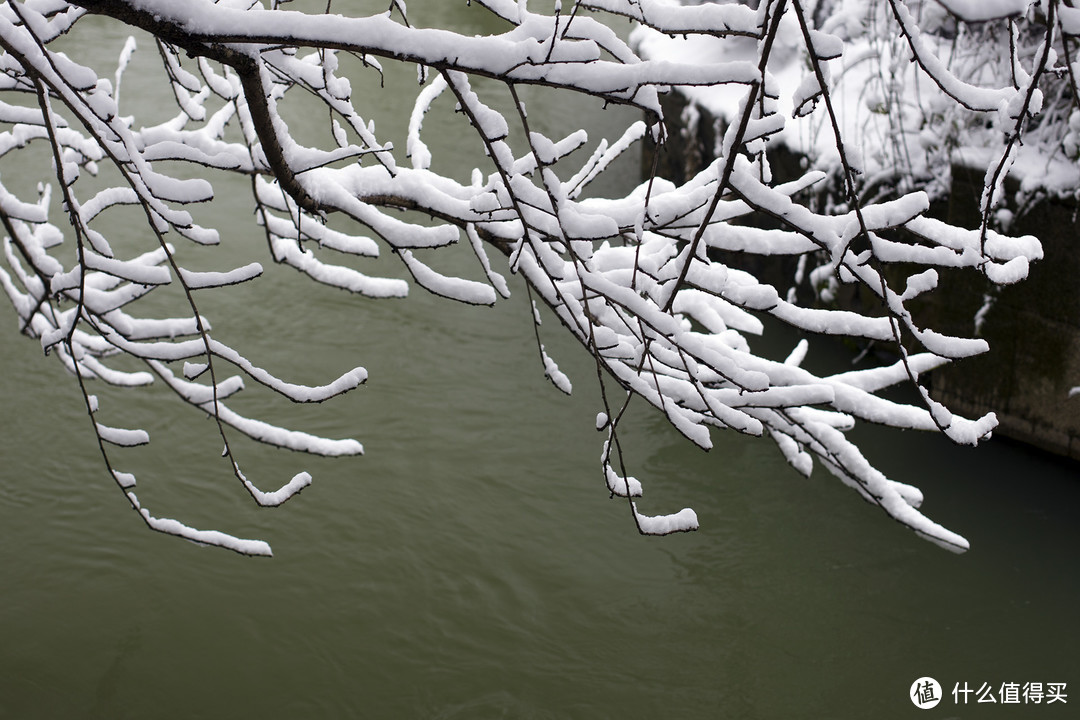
[1033, 327]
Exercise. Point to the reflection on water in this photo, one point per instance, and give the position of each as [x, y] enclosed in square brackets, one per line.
[470, 565]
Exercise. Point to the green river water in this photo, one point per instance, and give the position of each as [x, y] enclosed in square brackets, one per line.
[470, 564]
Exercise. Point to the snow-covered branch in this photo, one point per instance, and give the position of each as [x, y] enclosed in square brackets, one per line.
[645, 282]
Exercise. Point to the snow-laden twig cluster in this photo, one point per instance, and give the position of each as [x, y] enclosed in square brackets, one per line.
[635, 279]
[922, 85]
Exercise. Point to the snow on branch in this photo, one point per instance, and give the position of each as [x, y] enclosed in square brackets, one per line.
[648, 283]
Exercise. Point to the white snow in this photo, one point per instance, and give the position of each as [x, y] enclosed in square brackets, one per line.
[683, 521]
[213, 279]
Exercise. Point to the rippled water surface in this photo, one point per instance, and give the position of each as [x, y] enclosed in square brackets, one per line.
[471, 565]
